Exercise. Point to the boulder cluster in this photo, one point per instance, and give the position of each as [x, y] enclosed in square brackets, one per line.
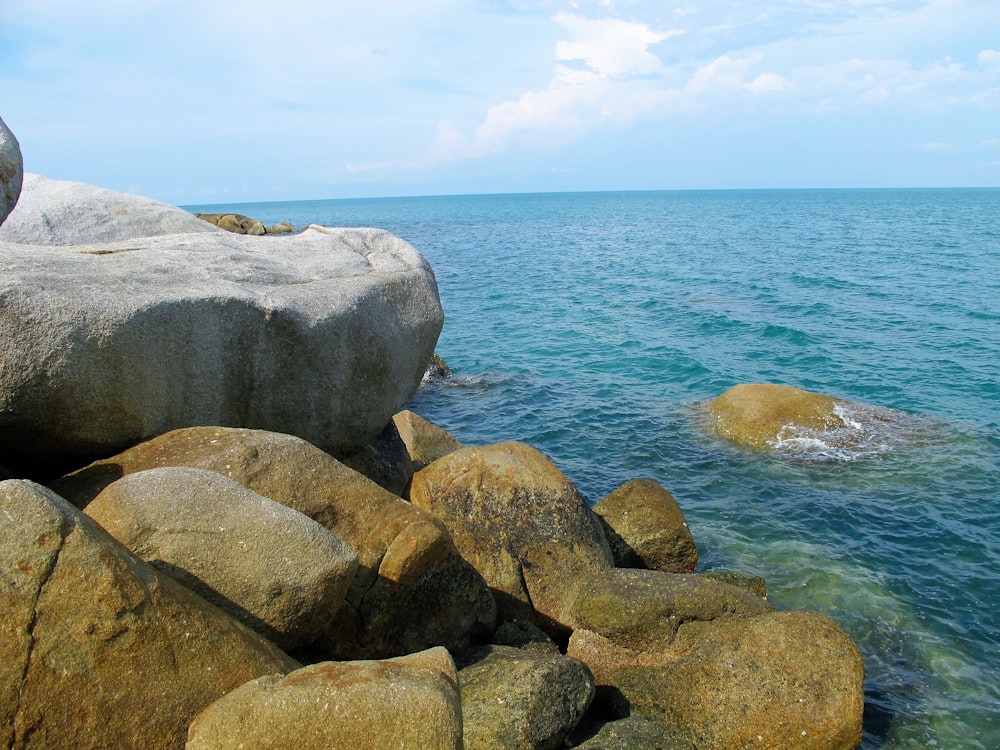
[240, 224]
[228, 565]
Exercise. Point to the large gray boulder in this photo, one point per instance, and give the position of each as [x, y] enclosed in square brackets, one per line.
[272, 568]
[121, 336]
[97, 648]
[11, 171]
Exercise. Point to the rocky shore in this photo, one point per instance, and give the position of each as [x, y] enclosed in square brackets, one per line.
[222, 528]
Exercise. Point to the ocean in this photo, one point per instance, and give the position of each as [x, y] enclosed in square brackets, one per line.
[593, 325]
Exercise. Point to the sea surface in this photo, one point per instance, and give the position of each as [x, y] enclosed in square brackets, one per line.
[593, 325]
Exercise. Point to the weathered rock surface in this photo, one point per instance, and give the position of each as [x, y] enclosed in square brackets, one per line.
[642, 610]
[757, 414]
[636, 733]
[407, 702]
[520, 699]
[412, 590]
[63, 213]
[425, 442]
[11, 171]
[98, 649]
[776, 679]
[385, 461]
[521, 523]
[274, 569]
[122, 336]
[645, 528]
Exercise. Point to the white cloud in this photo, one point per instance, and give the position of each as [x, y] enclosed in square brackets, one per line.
[989, 58]
[610, 47]
[938, 147]
[767, 83]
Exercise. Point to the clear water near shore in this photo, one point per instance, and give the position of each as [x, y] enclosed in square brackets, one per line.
[591, 326]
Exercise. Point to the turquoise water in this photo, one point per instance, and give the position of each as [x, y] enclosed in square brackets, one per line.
[591, 325]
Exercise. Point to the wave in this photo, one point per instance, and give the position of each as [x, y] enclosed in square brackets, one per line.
[867, 431]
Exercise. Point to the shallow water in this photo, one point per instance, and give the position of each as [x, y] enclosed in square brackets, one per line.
[592, 325]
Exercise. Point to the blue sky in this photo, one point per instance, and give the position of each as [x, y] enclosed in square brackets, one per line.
[230, 101]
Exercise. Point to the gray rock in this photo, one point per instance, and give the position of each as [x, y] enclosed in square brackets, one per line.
[519, 699]
[406, 702]
[271, 567]
[97, 648]
[323, 335]
[63, 213]
[11, 171]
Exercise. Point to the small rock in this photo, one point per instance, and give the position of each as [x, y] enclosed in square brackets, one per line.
[425, 442]
[518, 699]
[645, 528]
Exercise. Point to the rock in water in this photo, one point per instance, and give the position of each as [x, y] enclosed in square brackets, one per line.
[645, 528]
[756, 414]
[11, 171]
[115, 339]
[98, 649]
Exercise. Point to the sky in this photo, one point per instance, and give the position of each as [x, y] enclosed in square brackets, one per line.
[259, 100]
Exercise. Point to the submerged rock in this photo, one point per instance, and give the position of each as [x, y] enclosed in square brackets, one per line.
[11, 171]
[757, 415]
[97, 648]
[123, 331]
[406, 702]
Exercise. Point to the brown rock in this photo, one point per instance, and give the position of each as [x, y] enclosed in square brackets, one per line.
[519, 699]
[385, 461]
[643, 609]
[636, 733]
[645, 528]
[407, 702]
[97, 648]
[272, 568]
[776, 680]
[231, 223]
[412, 589]
[521, 523]
[424, 441]
[755, 415]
